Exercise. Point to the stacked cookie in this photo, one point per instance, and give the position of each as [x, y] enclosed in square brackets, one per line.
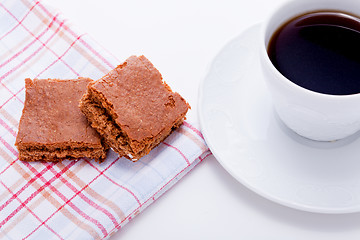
[129, 109]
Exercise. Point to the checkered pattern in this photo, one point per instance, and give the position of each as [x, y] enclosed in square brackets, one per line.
[71, 199]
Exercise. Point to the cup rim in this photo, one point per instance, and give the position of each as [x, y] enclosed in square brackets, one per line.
[285, 80]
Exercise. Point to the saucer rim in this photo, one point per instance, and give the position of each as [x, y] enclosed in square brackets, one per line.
[224, 164]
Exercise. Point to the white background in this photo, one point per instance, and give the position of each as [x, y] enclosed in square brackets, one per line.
[181, 38]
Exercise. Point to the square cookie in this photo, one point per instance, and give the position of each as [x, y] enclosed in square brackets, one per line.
[52, 126]
[132, 108]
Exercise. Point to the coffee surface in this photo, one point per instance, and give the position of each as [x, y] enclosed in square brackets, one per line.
[319, 51]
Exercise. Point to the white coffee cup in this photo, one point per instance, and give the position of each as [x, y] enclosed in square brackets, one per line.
[314, 115]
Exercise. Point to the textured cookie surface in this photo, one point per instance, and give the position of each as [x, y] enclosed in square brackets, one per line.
[52, 126]
[133, 108]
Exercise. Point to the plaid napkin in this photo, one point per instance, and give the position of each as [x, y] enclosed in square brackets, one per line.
[71, 199]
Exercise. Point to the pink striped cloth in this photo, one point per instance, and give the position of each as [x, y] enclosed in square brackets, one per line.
[71, 199]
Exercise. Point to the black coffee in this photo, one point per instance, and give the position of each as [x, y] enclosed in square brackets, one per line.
[319, 51]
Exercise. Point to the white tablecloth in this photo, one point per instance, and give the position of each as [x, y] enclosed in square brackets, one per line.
[181, 38]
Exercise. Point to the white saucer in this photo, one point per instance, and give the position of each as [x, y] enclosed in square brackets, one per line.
[247, 138]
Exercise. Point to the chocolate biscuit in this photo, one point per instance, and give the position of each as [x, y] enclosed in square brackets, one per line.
[52, 126]
[132, 108]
